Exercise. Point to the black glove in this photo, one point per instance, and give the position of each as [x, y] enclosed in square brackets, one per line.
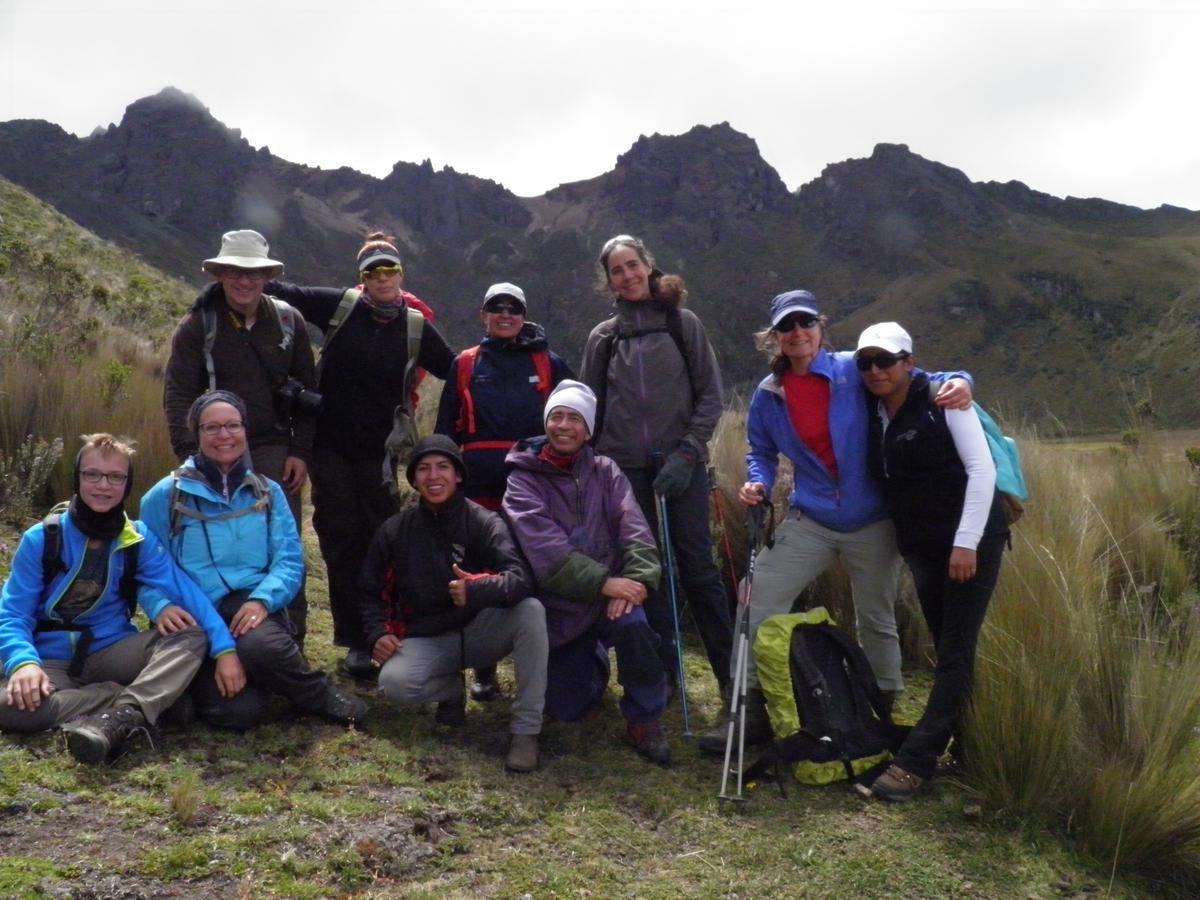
[675, 475]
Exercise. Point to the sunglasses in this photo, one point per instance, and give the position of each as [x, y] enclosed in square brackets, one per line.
[504, 309]
[380, 272]
[796, 320]
[879, 361]
[235, 274]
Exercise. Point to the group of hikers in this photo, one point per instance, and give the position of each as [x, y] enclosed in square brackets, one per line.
[541, 499]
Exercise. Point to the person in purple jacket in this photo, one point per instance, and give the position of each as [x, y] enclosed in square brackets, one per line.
[580, 527]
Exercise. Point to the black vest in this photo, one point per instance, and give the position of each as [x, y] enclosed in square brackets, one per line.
[924, 480]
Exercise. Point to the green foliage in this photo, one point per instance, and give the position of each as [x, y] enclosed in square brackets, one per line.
[23, 474]
[1192, 454]
[21, 876]
[114, 382]
[1131, 438]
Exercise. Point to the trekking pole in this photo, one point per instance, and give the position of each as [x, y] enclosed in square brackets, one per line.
[715, 489]
[737, 703]
[669, 565]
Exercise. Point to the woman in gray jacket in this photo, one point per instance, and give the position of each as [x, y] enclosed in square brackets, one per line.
[659, 389]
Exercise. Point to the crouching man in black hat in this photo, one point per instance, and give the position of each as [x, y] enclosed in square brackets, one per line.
[443, 589]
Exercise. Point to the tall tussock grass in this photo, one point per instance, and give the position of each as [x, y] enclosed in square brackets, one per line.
[1087, 695]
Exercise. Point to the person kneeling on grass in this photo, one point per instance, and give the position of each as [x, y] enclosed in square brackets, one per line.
[231, 530]
[70, 653]
[443, 589]
[578, 522]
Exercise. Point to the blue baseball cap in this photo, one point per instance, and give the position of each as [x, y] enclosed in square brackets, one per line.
[793, 301]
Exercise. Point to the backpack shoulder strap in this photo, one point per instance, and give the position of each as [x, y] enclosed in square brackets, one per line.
[208, 316]
[462, 379]
[52, 563]
[416, 327]
[287, 320]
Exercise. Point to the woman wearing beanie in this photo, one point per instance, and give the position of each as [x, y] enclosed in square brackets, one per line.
[364, 375]
[230, 529]
[495, 396]
[593, 555]
[70, 653]
[659, 398]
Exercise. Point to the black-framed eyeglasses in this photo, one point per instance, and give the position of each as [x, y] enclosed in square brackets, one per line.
[878, 360]
[796, 320]
[94, 476]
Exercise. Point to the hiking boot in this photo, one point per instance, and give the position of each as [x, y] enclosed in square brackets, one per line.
[522, 753]
[101, 736]
[896, 785]
[758, 727]
[342, 709]
[358, 664]
[484, 688]
[451, 713]
[649, 739]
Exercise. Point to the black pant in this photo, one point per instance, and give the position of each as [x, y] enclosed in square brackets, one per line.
[273, 664]
[954, 613]
[350, 502]
[691, 539]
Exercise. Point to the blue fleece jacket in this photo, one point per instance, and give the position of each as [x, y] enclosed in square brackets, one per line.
[26, 599]
[259, 551]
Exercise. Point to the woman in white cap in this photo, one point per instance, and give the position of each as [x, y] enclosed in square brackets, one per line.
[493, 398]
[939, 483]
[363, 377]
[659, 392]
[812, 409]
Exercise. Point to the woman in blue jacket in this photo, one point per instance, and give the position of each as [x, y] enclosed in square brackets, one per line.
[812, 409]
[69, 651]
[230, 529]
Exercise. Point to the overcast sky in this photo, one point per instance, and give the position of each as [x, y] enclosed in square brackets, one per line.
[1072, 98]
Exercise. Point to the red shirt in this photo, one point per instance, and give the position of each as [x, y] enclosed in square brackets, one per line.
[807, 399]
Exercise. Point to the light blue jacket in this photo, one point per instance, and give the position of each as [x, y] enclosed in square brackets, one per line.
[854, 500]
[259, 552]
[26, 599]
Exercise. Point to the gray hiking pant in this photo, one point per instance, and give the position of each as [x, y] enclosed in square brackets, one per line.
[803, 550]
[429, 669]
[145, 670]
[269, 460]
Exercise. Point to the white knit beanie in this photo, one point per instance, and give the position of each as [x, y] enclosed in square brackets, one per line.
[576, 396]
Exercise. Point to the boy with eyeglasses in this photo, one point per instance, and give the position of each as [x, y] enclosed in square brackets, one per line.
[70, 654]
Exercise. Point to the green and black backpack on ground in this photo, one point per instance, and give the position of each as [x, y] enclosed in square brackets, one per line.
[829, 718]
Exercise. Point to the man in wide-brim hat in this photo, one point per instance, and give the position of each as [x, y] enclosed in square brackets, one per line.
[237, 338]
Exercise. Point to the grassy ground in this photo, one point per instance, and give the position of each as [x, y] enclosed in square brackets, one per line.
[301, 809]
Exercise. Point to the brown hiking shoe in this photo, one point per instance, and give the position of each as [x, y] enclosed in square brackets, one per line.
[522, 753]
[649, 739]
[896, 784]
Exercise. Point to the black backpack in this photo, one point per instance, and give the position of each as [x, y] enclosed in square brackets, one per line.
[830, 720]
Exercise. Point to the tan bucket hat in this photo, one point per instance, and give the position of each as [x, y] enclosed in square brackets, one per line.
[246, 250]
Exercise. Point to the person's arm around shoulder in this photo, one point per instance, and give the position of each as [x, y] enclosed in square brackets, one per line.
[956, 391]
[450, 405]
[316, 304]
[435, 355]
